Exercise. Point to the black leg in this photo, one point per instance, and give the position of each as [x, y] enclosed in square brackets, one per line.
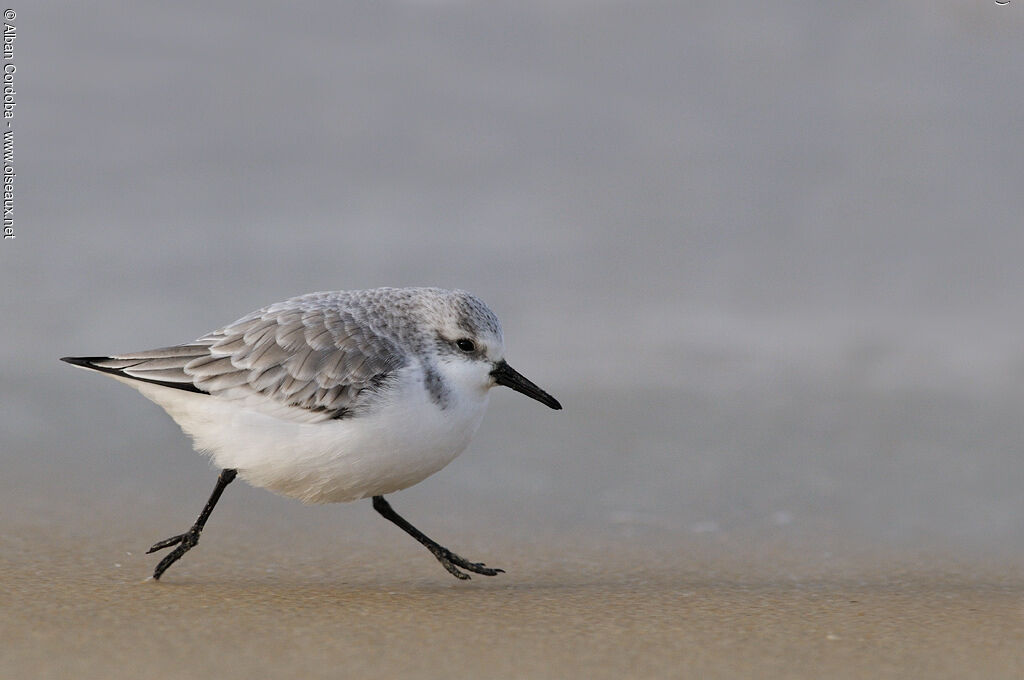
[446, 557]
[190, 538]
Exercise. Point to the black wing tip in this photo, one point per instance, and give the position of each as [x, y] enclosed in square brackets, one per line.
[92, 363]
[87, 362]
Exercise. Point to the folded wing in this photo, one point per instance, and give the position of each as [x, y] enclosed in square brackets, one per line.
[301, 361]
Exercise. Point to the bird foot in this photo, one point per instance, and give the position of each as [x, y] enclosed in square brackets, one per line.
[452, 562]
[185, 542]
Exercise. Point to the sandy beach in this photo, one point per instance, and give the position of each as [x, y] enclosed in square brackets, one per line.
[303, 605]
[618, 565]
[767, 256]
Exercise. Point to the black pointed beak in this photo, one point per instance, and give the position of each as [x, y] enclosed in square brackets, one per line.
[504, 374]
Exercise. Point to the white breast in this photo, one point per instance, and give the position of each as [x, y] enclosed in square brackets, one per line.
[407, 438]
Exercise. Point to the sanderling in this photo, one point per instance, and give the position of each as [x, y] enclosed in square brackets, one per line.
[332, 397]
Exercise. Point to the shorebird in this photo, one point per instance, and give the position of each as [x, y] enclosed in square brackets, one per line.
[332, 397]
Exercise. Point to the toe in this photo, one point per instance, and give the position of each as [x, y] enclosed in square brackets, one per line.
[166, 543]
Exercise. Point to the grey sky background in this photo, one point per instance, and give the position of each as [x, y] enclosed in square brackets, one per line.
[789, 233]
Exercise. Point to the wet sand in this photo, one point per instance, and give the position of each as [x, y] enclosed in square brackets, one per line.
[376, 605]
[777, 293]
[661, 556]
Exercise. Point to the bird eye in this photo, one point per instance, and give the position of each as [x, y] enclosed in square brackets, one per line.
[465, 344]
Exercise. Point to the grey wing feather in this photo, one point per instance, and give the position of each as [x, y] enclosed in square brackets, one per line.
[303, 362]
[162, 366]
[298, 357]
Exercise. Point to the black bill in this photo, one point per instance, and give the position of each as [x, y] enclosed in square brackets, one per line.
[504, 374]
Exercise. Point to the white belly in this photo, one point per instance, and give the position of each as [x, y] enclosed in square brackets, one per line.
[402, 443]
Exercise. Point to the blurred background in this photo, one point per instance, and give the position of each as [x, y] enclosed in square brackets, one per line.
[768, 256]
